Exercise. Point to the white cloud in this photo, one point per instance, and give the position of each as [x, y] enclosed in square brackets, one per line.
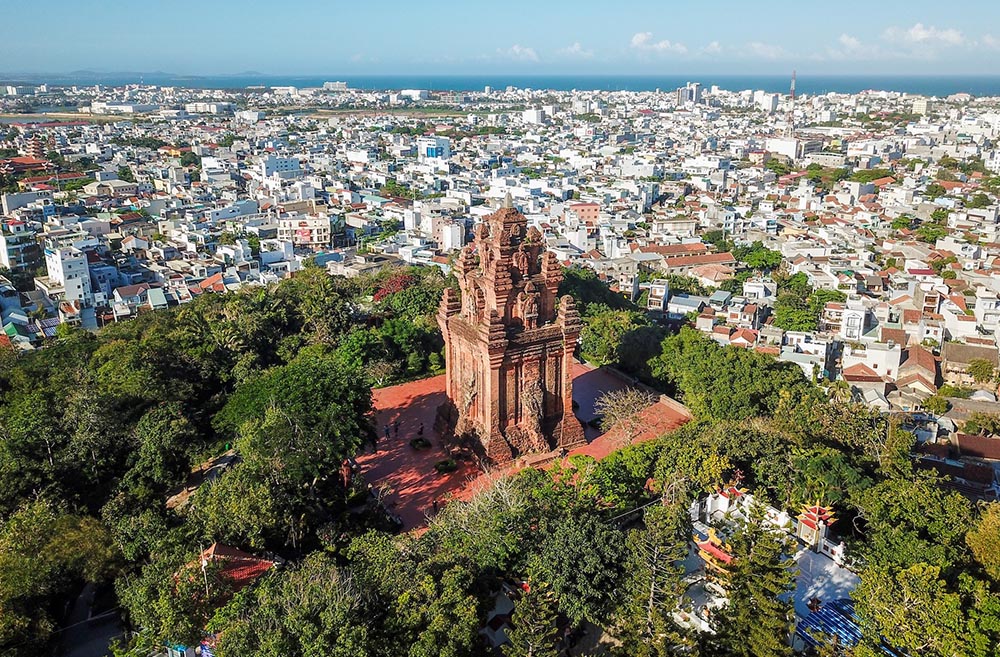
[576, 50]
[990, 42]
[714, 48]
[849, 43]
[921, 34]
[765, 50]
[849, 47]
[519, 52]
[643, 41]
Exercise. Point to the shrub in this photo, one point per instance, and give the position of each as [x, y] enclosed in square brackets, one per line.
[446, 466]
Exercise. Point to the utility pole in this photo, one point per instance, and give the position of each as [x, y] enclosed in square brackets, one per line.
[204, 572]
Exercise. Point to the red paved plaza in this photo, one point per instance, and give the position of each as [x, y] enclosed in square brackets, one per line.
[408, 474]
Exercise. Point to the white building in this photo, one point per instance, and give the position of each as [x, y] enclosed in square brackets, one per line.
[281, 167]
[433, 148]
[854, 320]
[534, 116]
[209, 108]
[249, 116]
[239, 208]
[305, 230]
[67, 269]
[415, 94]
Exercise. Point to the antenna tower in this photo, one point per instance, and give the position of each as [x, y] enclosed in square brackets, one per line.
[791, 110]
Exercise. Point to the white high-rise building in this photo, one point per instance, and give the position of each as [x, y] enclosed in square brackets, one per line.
[535, 116]
[689, 93]
[67, 268]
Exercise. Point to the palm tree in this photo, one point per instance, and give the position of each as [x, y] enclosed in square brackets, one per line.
[840, 391]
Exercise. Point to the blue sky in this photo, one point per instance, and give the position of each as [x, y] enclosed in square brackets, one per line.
[502, 36]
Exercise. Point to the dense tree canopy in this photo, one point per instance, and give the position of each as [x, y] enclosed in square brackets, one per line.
[722, 383]
[97, 431]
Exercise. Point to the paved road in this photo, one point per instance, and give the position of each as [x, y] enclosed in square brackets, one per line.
[85, 636]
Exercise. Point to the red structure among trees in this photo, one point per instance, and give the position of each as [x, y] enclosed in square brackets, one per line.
[509, 344]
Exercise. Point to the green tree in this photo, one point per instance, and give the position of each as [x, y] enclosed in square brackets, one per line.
[981, 370]
[983, 423]
[166, 443]
[604, 332]
[318, 396]
[691, 455]
[534, 632]
[940, 215]
[979, 200]
[757, 256]
[908, 522]
[31, 447]
[797, 284]
[913, 609]
[718, 239]
[167, 597]
[679, 284]
[314, 608]
[428, 610]
[44, 552]
[655, 585]
[930, 233]
[318, 304]
[586, 288]
[984, 540]
[778, 166]
[637, 347]
[934, 190]
[876, 443]
[869, 175]
[249, 506]
[723, 383]
[125, 173]
[819, 298]
[824, 474]
[792, 314]
[758, 618]
[582, 557]
[936, 404]
[902, 222]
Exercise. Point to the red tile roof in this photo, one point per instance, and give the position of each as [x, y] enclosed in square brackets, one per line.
[238, 566]
[672, 249]
[861, 373]
[703, 259]
[918, 357]
[52, 177]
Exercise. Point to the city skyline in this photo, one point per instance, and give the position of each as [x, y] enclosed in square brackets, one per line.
[310, 37]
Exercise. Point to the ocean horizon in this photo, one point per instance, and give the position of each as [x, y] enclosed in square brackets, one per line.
[925, 85]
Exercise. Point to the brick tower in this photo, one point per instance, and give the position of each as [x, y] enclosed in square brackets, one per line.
[509, 344]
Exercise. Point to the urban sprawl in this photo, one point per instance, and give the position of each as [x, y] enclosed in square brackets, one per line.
[856, 236]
